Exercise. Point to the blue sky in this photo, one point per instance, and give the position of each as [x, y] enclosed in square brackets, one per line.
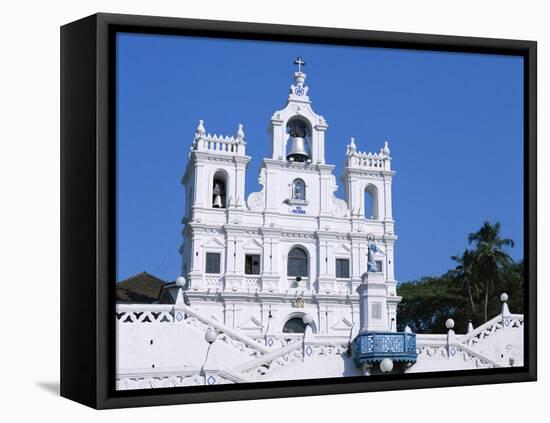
[454, 122]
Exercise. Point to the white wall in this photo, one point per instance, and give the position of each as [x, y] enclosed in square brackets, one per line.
[29, 173]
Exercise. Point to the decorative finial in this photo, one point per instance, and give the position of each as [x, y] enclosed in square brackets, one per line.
[298, 89]
[450, 324]
[386, 149]
[504, 299]
[200, 129]
[300, 62]
[180, 283]
[210, 336]
[352, 145]
[386, 365]
[240, 132]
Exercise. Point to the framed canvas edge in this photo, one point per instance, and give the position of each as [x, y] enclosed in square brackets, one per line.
[78, 219]
[106, 24]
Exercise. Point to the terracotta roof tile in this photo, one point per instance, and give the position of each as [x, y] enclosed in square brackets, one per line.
[142, 288]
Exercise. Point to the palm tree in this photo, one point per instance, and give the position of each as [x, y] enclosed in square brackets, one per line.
[465, 272]
[490, 255]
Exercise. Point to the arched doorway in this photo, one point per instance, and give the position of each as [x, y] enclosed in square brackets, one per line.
[294, 325]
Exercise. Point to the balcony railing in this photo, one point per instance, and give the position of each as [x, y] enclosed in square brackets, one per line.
[212, 281]
[369, 347]
[343, 285]
[303, 283]
[252, 282]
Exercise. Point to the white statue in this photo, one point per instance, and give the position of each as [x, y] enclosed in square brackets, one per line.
[373, 249]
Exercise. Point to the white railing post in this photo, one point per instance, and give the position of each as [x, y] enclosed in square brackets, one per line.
[505, 312]
[450, 324]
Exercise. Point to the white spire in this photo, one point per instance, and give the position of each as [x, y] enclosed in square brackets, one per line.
[298, 91]
[240, 132]
[386, 149]
[200, 129]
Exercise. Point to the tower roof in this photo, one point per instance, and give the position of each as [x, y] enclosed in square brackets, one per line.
[298, 108]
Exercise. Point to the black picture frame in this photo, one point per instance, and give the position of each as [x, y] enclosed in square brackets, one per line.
[88, 209]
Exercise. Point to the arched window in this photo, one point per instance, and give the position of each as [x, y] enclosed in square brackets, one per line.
[298, 189]
[218, 190]
[294, 325]
[371, 202]
[297, 263]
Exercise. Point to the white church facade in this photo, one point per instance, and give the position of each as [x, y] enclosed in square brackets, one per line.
[292, 248]
[291, 282]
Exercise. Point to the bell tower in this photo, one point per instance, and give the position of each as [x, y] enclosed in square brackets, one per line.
[297, 132]
[214, 183]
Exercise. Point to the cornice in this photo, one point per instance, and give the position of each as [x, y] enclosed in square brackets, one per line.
[269, 297]
[197, 156]
[367, 172]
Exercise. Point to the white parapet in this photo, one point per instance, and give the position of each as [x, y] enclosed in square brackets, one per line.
[162, 345]
[368, 160]
[231, 145]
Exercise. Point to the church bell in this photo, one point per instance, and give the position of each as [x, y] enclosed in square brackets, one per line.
[217, 201]
[298, 151]
[219, 194]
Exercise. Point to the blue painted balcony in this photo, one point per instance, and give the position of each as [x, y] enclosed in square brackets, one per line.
[371, 347]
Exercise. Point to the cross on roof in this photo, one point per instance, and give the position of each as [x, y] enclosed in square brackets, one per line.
[299, 61]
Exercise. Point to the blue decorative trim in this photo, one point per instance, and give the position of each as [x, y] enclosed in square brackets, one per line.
[371, 347]
[211, 380]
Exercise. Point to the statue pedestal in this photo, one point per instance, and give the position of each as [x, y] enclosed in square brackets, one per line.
[373, 309]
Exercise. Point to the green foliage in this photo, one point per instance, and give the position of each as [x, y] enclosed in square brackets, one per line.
[470, 291]
[429, 302]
